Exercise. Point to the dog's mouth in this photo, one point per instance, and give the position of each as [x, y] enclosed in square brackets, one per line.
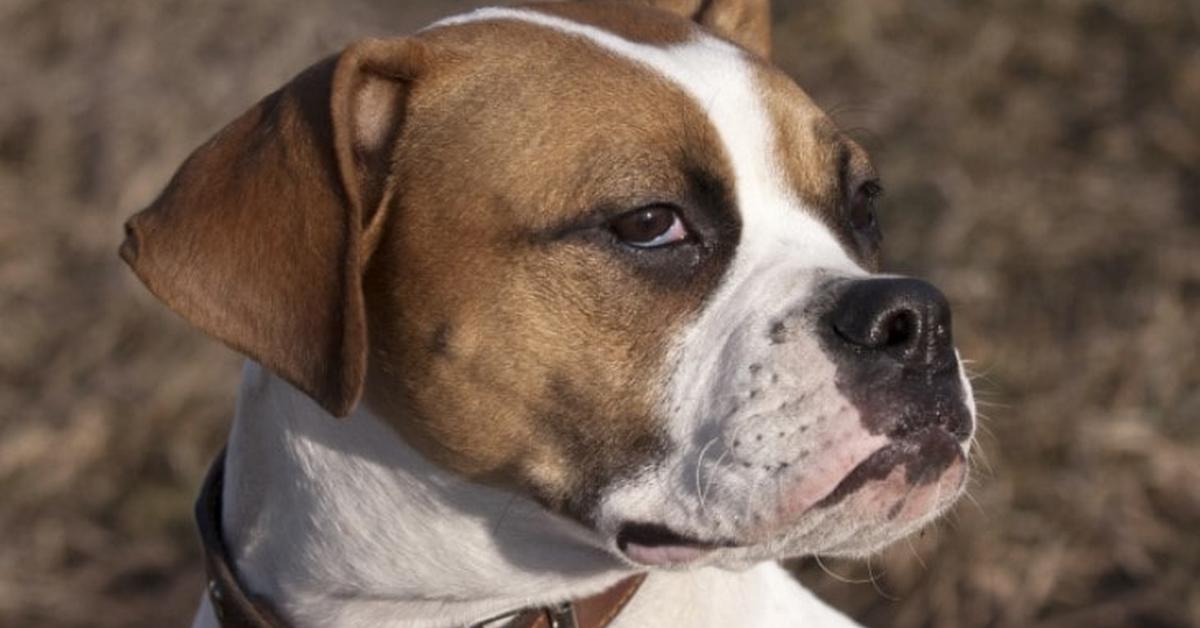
[924, 457]
[657, 545]
[903, 475]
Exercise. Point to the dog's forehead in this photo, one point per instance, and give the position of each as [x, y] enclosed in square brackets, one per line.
[784, 154]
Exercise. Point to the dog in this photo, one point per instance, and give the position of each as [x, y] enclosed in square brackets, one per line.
[568, 314]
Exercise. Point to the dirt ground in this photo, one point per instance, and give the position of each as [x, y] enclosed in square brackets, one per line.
[1041, 159]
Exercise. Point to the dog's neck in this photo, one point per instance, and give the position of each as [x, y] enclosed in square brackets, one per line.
[339, 522]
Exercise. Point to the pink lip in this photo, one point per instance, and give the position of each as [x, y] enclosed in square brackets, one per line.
[664, 555]
[658, 545]
[861, 459]
[819, 484]
[917, 461]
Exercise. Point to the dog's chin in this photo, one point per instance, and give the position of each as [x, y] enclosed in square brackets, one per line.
[824, 540]
[875, 505]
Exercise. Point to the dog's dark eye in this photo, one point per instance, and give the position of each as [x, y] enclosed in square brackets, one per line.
[862, 212]
[650, 227]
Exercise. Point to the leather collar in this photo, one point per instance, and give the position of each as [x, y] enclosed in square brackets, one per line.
[237, 608]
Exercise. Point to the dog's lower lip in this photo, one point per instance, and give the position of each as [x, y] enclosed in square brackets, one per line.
[655, 535]
[655, 544]
[898, 453]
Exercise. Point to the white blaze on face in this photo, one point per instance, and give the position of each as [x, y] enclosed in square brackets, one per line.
[779, 235]
[758, 432]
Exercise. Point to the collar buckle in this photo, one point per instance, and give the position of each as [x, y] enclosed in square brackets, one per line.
[562, 616]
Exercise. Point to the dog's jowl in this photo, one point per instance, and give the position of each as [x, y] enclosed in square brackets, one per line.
[568, 311]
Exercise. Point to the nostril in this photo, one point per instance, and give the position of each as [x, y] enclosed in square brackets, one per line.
[899, 329]
[906, 319]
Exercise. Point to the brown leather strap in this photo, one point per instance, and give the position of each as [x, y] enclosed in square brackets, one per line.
[236, 608]
[597, 611]
[233, 606]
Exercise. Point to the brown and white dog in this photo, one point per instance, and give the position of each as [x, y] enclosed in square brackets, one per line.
[593, 288]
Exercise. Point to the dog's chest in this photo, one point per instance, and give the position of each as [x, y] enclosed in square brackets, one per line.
[765, 596]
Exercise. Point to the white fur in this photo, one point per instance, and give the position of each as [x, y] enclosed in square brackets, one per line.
[705, 488]
[339, 522]
[345, 524]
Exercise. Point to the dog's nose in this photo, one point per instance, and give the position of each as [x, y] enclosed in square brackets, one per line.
[906, 319]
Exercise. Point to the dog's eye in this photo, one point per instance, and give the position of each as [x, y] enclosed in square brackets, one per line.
[862, 211]
[650, 227]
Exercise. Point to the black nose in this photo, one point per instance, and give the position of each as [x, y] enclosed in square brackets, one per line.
[906, 319]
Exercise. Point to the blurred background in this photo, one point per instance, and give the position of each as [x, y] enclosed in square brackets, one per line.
[1042, 159]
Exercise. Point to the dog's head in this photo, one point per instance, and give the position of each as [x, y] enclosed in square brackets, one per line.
[599, 253]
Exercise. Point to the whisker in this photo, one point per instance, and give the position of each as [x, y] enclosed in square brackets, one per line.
[699, 470]
[974, 502]
[839, 578]
[876, 585]
[708, 485]
[915, 553]
[750, 495]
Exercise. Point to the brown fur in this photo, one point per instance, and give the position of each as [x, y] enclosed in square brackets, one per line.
[657, 28]
[547, 342]
[744, 22]
[449, 216]
[424, 220]
[813, 153]
[258, 238]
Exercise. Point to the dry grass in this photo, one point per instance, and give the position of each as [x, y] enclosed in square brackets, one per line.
[1042, 167]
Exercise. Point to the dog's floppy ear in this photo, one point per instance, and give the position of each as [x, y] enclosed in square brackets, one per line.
[261, 237]
[747, 22]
